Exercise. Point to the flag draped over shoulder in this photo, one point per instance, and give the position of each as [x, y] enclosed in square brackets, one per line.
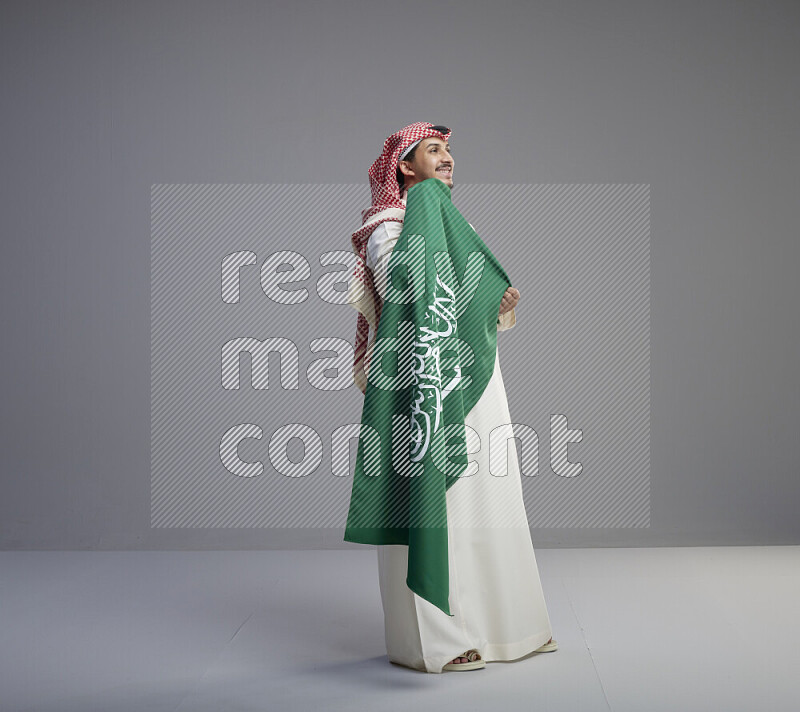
[433, 355]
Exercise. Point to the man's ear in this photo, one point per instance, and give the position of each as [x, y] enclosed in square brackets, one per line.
[405, 168]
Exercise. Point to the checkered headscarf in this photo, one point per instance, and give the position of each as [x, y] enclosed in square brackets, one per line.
[386, 205]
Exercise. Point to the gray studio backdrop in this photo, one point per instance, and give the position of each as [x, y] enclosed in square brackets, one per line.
[632, 164]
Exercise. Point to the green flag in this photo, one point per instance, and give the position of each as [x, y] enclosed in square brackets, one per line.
[434, 354]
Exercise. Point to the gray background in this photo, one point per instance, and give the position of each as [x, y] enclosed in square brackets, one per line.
[102, 100]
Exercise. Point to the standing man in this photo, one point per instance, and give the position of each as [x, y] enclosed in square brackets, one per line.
[495, 594]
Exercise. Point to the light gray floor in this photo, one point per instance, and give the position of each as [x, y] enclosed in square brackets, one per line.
[639, 629]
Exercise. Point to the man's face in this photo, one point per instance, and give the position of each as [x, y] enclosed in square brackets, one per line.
[431, 160]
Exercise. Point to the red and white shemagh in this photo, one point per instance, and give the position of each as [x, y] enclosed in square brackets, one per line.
[385, 196]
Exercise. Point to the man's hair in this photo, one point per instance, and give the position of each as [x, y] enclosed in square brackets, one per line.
[409, 157]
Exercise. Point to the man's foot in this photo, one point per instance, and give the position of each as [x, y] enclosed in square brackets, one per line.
[468, 657]
[472, 655]
[544, 647]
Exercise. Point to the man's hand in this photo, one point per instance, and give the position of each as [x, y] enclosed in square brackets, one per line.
[510, 300]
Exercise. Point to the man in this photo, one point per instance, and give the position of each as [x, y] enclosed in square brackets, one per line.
[495, 591]
[413, 154]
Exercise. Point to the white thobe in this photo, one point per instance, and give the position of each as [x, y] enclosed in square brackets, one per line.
[495, 592]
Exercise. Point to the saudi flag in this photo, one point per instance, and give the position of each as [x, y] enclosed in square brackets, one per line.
[433, 356]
